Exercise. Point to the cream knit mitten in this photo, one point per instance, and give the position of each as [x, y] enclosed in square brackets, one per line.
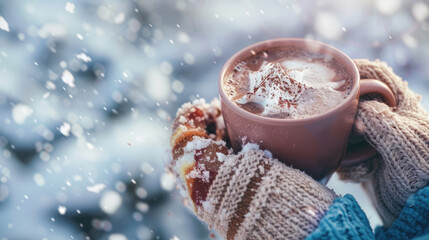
[248, 195]
[400, 135]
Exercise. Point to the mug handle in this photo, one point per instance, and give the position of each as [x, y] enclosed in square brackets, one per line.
[360, 151]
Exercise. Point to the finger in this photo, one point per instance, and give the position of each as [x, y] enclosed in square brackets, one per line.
[196, 155]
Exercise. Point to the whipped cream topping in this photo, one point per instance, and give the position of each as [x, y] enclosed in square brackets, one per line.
[279, 86]
[313, 74]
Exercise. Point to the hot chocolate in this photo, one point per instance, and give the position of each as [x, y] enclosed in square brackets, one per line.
[288, 82]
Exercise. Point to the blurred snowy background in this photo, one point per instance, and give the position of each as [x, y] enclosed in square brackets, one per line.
[88, 90]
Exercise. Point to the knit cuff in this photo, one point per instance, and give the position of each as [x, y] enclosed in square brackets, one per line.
[344, 220]
[256, 197]
[412, 222]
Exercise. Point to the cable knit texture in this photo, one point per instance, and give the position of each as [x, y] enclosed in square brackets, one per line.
[400, 135]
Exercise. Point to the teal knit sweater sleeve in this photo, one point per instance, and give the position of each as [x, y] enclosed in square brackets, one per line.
[346, 220]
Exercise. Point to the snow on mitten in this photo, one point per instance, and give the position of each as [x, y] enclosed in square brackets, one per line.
[400, 135]
[248, 195]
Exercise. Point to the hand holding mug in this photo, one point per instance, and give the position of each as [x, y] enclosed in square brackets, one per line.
[248, 195]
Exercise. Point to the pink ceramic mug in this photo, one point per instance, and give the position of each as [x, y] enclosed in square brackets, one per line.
[315, 144]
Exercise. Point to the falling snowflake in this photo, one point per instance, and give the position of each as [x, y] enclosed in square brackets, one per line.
[142, 207]
[83, 57]
[110, 202]
[90, 146]
[65, 129]
[62, 210]
[168, 181]
[68, 78]
[38, 179]
[21, 112]
[189, 58]
[97, 188]
[3, 24]
[69, 7]
[119, 18]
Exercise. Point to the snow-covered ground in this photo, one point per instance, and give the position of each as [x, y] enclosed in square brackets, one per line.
[88, 90]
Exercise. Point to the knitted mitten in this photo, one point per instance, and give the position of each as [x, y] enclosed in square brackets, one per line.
[400, 135]
[248, 195]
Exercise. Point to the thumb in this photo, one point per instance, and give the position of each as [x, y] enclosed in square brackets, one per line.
[197, 156]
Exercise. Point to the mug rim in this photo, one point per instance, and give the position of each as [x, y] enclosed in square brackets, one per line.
[246, 52]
